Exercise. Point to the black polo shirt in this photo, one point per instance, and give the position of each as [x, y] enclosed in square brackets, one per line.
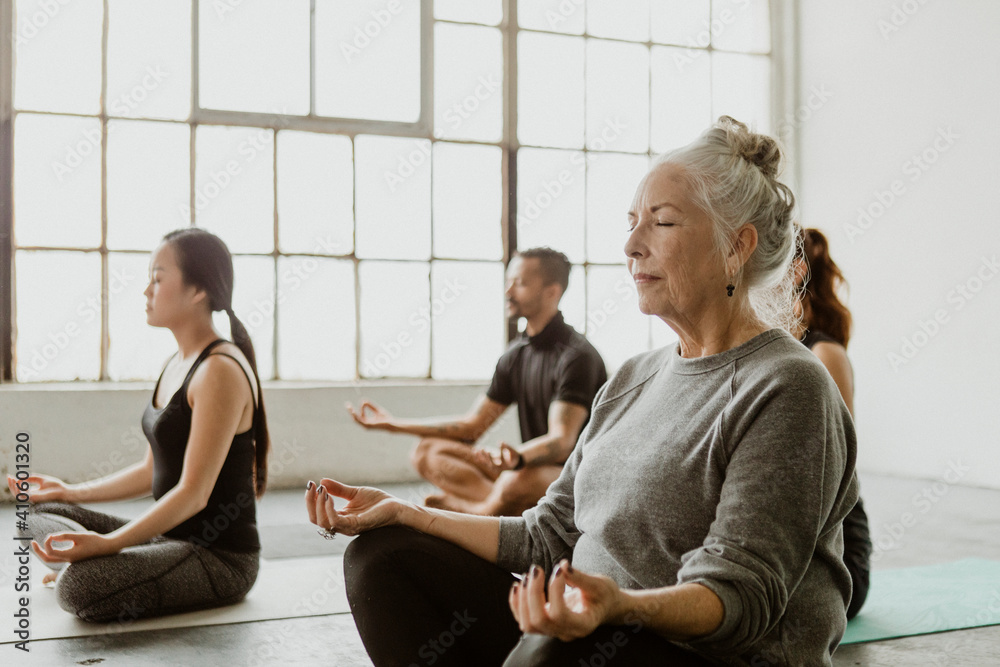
[557, 364]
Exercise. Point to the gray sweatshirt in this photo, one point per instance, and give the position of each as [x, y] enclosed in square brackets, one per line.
[735, 471]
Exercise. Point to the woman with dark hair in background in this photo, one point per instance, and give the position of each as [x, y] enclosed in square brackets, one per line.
[826, 329]
[197, 546]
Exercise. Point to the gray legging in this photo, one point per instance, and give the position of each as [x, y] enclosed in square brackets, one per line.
[161, 576]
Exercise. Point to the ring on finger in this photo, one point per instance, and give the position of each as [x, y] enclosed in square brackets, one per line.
[327, 533]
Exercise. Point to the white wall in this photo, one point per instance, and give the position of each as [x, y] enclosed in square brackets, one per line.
[82, 431]
[898, 84]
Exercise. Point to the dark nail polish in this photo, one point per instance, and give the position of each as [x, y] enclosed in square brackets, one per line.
[559, 570]
[310, 485]
[534, 571]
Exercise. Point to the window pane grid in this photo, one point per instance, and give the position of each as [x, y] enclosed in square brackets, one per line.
[739, 26]
[598, 142]
[678, 61]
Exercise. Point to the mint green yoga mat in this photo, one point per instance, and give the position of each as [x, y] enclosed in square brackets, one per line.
[931, 598]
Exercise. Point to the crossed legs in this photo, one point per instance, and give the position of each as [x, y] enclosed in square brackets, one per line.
[474, 489]
[162, 576]
[420, 600]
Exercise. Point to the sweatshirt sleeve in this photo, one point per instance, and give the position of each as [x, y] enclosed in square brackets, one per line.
[547, 533]
[787, 481]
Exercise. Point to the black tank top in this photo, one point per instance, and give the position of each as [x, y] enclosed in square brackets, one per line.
[812, 337]
[229, 520]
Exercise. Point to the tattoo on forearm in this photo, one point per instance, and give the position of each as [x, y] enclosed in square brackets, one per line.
[452, 430]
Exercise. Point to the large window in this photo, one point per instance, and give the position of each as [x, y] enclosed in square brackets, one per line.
[603, 86]
[371, 165]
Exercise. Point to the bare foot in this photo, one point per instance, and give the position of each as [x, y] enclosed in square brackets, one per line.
[437, 501]
[444, 501]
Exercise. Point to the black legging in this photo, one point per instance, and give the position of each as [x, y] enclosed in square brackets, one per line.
[419, 600]
[857, 556]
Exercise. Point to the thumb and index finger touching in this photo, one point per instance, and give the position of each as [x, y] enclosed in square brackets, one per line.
[364, 410]
[335, 488]
[15, 484]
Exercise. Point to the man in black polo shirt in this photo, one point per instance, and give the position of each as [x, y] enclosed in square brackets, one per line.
[552, 373]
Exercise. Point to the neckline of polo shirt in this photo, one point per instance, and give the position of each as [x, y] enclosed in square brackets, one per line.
[551, 334]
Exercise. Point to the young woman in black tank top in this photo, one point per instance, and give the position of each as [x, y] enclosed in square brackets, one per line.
[826, 329]
[197, 546]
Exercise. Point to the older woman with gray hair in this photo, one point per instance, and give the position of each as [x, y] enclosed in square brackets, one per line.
[699, 519]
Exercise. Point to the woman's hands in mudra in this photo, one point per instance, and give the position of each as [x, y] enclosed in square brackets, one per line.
[366, 509]
[82, 545]
[40, 488]
[577, 603]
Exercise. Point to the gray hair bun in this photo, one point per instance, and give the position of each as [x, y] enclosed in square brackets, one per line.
[733, 175]
[759, 150]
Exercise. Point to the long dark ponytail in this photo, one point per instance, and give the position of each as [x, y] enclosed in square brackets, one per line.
[829, 314]
[206, 263]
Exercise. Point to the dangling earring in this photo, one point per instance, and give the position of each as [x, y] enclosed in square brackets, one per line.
[729, 289]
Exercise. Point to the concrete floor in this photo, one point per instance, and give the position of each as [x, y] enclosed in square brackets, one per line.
[951, 522]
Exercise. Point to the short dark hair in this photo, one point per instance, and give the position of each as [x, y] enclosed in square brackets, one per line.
[554, 265]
